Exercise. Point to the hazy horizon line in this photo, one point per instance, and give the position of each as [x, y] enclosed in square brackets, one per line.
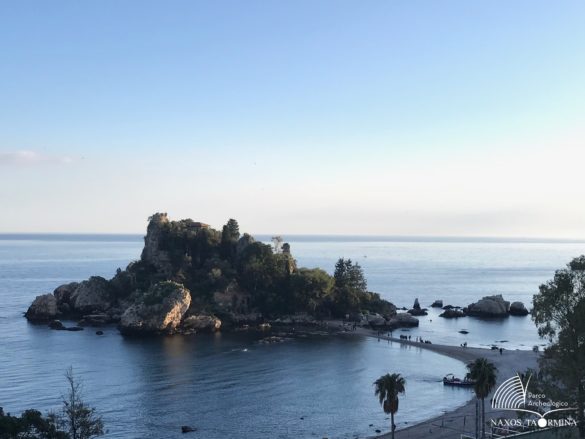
[312, 237]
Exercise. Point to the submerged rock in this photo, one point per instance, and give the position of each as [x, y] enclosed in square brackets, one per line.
[74, 328]
[57, 325]
[43, 309]
[489, 306]
[518, 309]
[160, 310]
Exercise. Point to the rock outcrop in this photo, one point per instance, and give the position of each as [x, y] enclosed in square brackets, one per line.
[518, 309]
[375, 320]
[160, 310]
[43, 309]
[452, 313]
[92, 295]
[416, 309]
[489, 306]
[63, 293]
[437, 304]
[152, 253]
[403, 320]
[202, 322]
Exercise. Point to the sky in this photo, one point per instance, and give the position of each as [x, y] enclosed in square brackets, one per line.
[442, 118]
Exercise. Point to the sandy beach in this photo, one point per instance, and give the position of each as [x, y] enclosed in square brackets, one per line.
[462, 420]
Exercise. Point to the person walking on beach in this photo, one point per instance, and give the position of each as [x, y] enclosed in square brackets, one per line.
[501, 351]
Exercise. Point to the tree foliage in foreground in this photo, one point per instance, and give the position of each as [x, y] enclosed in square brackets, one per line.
[30, 425]
[80, 420]
[75, 421]
[559, 314]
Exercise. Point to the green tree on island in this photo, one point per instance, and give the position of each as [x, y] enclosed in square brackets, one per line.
[229, 239]
[484, 374]
[350, 287]
[388, 387]
[559, 314]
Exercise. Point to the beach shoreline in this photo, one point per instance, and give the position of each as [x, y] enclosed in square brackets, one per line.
[461, 420]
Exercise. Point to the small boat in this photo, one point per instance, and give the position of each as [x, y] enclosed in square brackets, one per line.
[451, 380]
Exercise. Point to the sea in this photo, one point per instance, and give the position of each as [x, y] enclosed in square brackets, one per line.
[228, 385]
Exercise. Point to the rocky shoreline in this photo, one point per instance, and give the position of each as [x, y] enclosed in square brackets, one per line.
[191, 278]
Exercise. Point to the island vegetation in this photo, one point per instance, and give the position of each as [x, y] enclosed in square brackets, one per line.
[191, 277]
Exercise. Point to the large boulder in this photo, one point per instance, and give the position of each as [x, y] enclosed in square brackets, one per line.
[489, 306]
[375, 319]
[160, 310]
[452, 313]
[91, 295]
[403, 320]
[202, 322]
[518, 309]
[43, 309]
[437, 304]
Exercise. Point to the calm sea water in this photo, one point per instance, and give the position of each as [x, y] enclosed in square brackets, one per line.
[228, 385]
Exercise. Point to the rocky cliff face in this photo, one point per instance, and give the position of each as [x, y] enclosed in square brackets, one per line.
[43, 309]
[161, 310]
[152, 253]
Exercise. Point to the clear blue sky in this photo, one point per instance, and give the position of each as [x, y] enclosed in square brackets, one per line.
[370, 117]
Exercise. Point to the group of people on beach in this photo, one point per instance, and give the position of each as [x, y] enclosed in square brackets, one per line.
[405, 337]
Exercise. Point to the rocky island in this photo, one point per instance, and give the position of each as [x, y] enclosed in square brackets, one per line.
[191, 277]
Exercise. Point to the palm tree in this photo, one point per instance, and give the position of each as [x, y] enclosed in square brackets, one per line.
[484, 374]
[388, 387]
